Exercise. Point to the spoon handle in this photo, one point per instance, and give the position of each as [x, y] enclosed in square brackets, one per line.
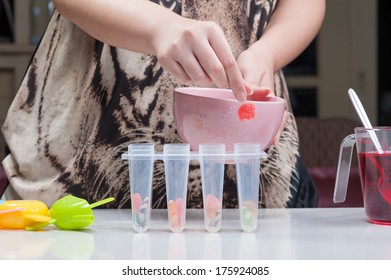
[364, 118]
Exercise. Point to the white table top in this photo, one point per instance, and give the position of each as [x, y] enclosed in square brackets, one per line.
[282, 234]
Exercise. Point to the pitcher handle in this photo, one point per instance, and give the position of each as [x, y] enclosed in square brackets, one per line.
[343, 170]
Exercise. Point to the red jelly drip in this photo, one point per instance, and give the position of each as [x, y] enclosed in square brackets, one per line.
[246, 112]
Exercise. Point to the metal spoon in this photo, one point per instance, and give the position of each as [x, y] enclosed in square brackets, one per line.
[364, 118]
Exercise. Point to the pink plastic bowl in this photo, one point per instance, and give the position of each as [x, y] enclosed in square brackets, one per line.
[210, 115]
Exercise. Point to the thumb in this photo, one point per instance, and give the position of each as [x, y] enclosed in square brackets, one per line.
[259, 93]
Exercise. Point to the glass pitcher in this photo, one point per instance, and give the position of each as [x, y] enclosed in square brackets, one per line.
[374, 160]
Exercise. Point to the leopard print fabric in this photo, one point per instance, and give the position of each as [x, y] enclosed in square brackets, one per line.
[82, 102]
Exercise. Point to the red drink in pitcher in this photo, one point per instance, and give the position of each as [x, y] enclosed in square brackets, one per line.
[375, 172]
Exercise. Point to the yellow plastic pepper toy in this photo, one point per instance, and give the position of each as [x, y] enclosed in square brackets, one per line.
[19, 214]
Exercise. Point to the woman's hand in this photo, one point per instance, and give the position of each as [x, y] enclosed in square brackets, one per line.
[257, 71]
[197, 52]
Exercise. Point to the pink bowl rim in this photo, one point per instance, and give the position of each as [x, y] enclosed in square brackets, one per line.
[202, 90]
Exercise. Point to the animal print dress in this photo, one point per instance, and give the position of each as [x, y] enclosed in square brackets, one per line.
[82, 102]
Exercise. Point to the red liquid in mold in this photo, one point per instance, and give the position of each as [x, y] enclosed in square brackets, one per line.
[246, 112]
[375, 172]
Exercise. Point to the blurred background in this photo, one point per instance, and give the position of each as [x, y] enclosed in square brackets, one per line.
[22, 23]
[351, 50]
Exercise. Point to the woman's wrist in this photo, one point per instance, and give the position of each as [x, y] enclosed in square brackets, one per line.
[263, 54]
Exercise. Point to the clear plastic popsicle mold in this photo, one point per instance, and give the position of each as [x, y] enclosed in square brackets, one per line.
[141, 175]
[176, 169]
[212, 159]
[247, 176]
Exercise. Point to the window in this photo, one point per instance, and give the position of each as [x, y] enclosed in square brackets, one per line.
[303, 94]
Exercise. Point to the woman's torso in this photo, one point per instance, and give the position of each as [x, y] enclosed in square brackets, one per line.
[84, 101]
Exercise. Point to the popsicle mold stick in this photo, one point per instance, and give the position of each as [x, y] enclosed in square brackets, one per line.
[101, 202]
